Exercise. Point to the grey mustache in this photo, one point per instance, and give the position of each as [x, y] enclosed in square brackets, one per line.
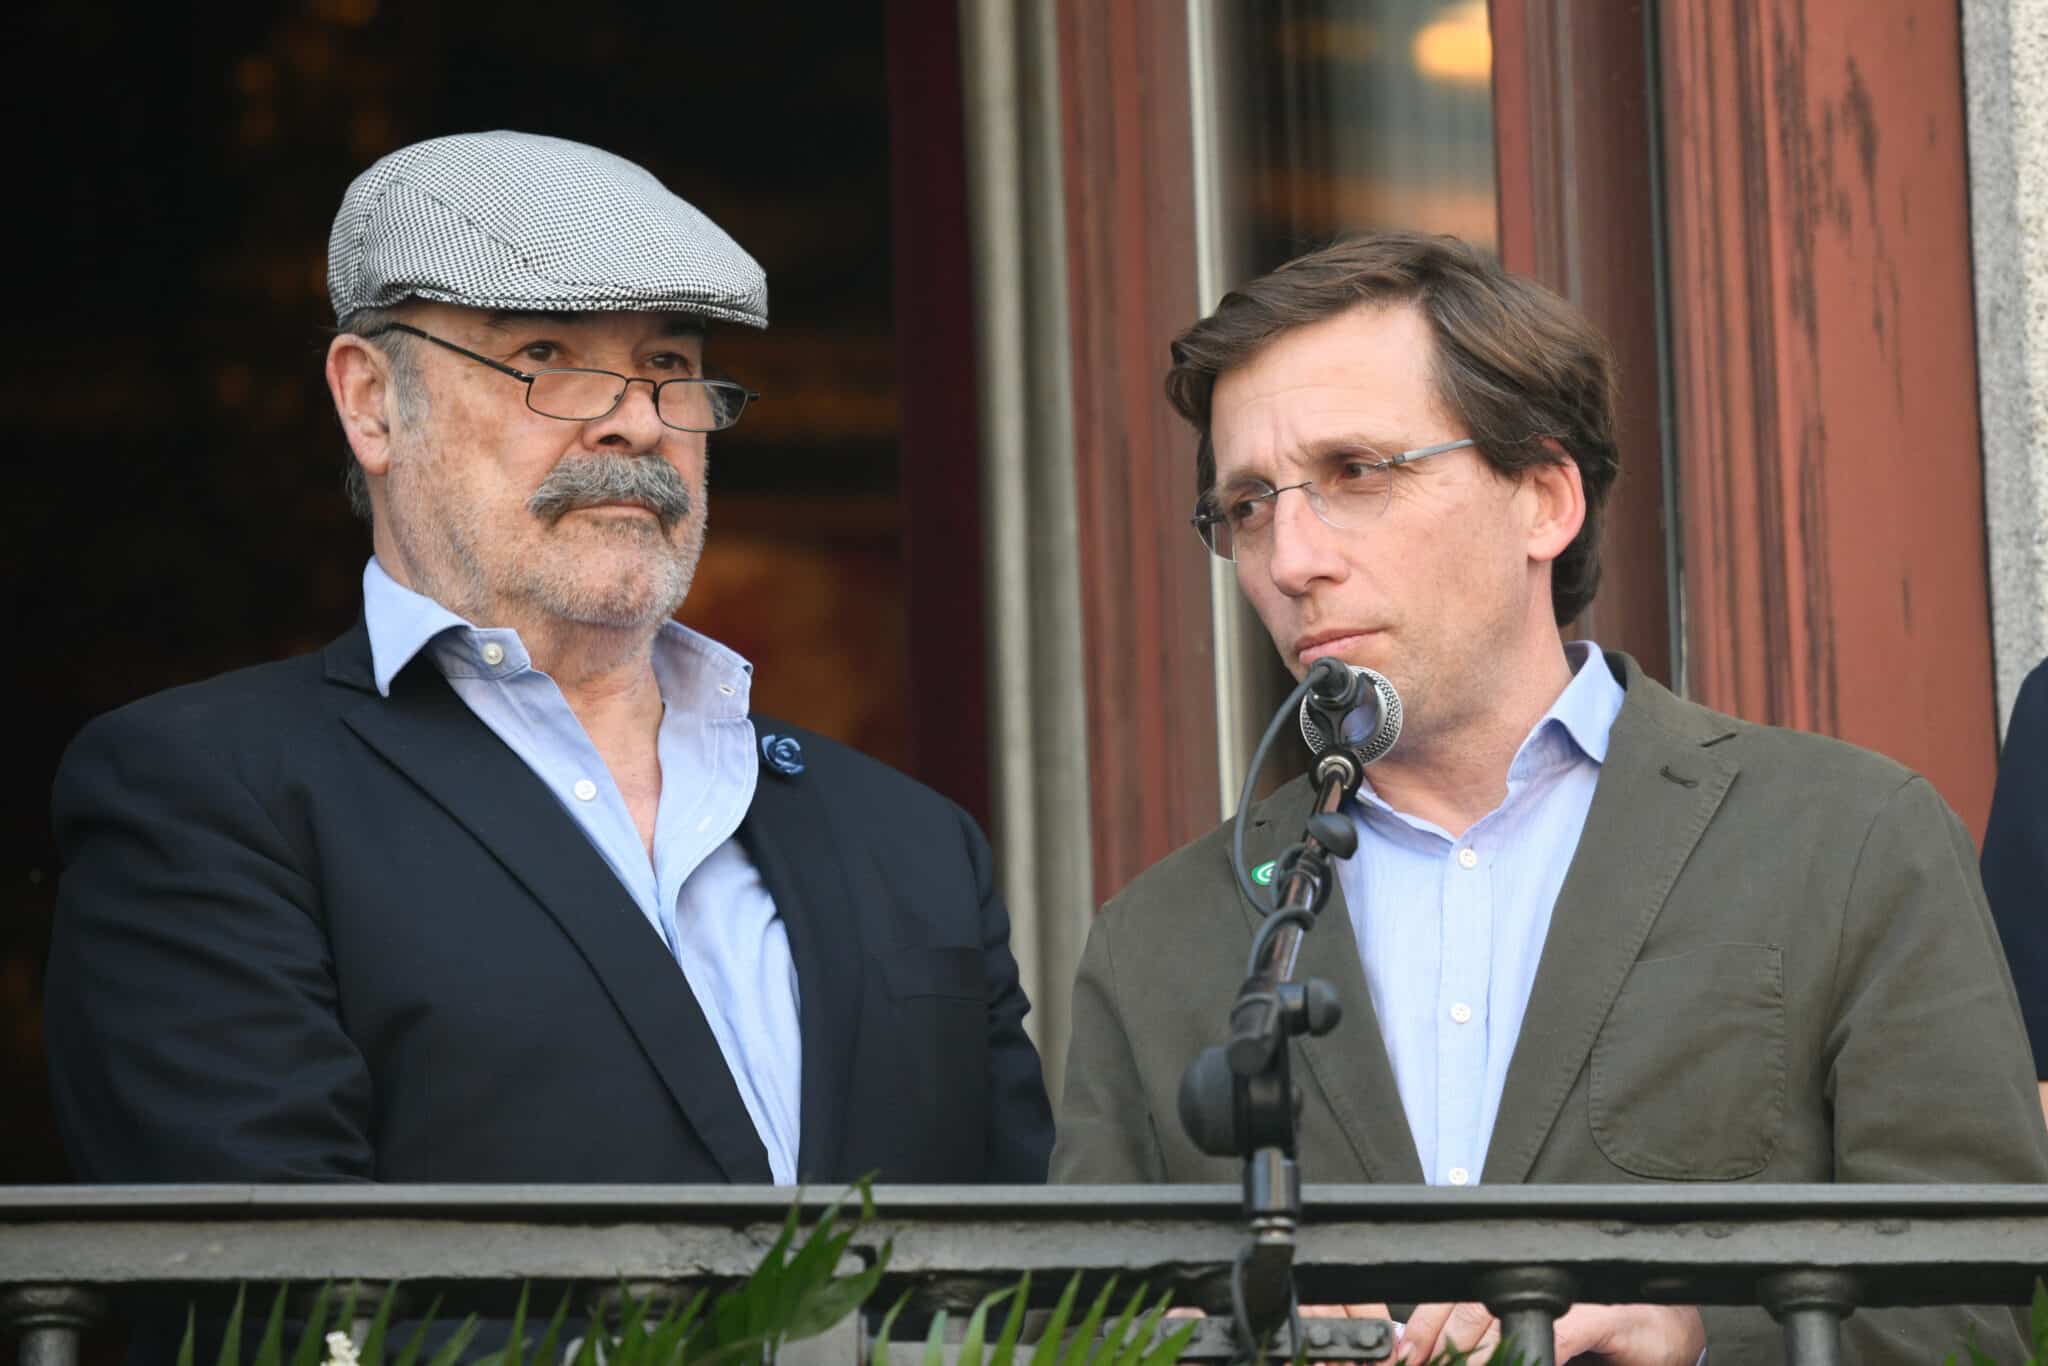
[586, 481]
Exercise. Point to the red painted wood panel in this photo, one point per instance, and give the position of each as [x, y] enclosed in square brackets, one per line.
[1829, 476]
[940, 422]
[1128, 177]
[1572, 143]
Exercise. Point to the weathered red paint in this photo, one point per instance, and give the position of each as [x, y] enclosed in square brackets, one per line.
[1128, 177]
[1572, 146]
[1829, 476]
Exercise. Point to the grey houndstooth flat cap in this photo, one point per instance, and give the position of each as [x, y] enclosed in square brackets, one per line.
[517, 221]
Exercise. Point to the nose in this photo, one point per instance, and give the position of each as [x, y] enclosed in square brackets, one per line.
[633, 423]
[1305, 549]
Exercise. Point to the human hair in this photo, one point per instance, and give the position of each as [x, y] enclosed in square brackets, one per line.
[408, 389]
[1528, 375]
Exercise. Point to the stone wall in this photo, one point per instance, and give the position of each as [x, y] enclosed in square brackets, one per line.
[2006, 77]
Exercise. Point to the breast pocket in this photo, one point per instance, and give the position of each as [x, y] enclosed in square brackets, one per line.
[922, 970]
[938, 1055]
[1688, 1073]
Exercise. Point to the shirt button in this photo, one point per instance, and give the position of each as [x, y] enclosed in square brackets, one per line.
[1459, 1176]
[1467, 859]
[494, 653]
[1462, 1013]
[585, 790]
[727, 689]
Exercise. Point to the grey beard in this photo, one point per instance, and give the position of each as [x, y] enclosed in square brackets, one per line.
[586, 481]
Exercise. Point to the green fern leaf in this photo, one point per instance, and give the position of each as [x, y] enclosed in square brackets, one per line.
[1137, 1344]
[314, 1336]
[935, 1341]
[549, 1352]
[1168, 1351]
[1080, 1348]
[878, 1353]
[1109, 1347]
[231, 1345]
[373, 1341]
[270, 1351]
[977, 1330]
[1047, 1353]
[417, 1342]
[451, 1351]
[1005, 1350]
[745, 1311]
[825, 1305]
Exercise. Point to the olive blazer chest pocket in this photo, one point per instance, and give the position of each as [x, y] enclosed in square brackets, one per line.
[1688, 1072]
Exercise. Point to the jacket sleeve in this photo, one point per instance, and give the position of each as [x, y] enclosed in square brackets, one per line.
[190, 1006]
[2016, 858]
[1019, 1131]
[1106, 1135]
[1929, 1073]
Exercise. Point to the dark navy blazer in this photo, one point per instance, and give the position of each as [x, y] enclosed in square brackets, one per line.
[309, 933]
[2016, 856]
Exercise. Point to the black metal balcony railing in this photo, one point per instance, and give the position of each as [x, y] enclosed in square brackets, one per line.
[1809, 1254]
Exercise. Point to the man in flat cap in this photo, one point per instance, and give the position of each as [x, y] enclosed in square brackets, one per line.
[507, 884]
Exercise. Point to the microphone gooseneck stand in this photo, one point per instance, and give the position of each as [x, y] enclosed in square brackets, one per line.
[1239, 1099]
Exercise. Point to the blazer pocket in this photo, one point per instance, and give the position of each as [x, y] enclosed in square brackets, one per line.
[1688, 1072]
[915, 970]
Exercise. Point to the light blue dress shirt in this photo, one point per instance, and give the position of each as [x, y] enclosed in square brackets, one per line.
[700, 891]
[1451, 930]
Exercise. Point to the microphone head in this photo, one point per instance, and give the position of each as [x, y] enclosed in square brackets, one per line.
[1368, 731]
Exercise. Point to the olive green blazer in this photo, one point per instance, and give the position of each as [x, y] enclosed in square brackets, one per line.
[1770, 961]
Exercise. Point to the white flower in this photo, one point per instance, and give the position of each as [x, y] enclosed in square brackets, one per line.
[340, 1351]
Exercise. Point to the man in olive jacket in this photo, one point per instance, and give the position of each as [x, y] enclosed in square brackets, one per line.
[1593, 933]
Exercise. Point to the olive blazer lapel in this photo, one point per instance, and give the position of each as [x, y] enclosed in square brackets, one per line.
[1661, 784]
[1349, 1066]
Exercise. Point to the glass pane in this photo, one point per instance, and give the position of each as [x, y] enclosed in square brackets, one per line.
[1346, 115]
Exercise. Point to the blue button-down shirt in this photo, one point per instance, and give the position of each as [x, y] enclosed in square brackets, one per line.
[1451, 930]
[700, 891]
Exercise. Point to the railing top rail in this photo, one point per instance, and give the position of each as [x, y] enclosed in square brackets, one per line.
[1903, 1244]
[725, 1204]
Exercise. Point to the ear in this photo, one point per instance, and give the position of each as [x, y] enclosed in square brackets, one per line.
[359, 378]
[1556, 504]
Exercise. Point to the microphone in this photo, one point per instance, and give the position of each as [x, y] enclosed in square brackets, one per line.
[1351, 707]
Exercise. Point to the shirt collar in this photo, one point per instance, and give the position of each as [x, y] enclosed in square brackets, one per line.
[400, 622]
[1576, 727]
[694, 672]
[1585, 710]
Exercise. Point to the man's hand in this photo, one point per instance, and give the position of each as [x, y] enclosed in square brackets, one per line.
[1434, 1328]
[1612, 1334]
[1632, 1334]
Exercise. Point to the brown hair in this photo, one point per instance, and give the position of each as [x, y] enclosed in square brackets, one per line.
[1522, 369]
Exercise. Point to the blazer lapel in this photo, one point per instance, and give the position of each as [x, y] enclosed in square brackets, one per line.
[1659, 787]
[819, 884]
[426, 732]
[1349, 1065]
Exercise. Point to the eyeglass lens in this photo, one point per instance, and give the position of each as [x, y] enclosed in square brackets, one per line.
[692, 405]
[1348, 501]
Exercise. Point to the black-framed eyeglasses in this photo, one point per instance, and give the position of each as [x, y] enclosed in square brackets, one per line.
[1239, 522]
[580, 395]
